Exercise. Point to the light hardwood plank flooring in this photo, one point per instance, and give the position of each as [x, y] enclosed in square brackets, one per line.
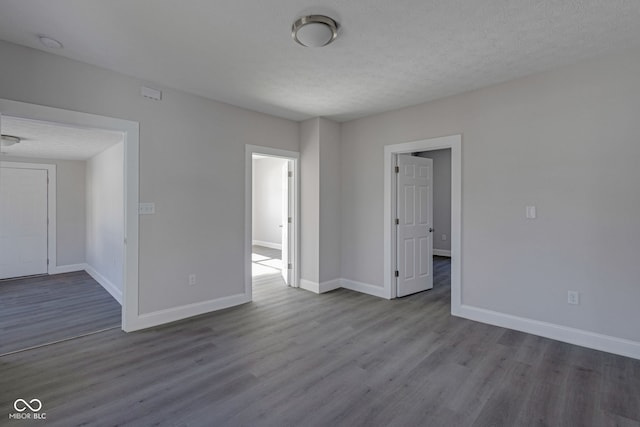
[44, 309]
[293, 358]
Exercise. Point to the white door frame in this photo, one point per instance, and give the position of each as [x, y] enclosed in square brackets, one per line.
[454, 142]
[52, 266]
[294, 156]
[130, 130]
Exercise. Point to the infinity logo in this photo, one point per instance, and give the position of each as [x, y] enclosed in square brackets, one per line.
[21, 405]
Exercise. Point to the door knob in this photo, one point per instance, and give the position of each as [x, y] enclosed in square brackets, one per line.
[430, 230]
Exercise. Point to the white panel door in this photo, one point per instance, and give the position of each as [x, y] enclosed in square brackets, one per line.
[286, 225]
[23, 222]
[415, 225]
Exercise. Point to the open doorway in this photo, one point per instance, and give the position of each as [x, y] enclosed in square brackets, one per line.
[272, 212]
[129, 131]
[408, 193]
[61, 232]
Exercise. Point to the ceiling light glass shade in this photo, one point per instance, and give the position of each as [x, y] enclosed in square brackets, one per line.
[314, 30]
[9, 140]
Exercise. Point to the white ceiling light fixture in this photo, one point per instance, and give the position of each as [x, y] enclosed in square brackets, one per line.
[50, 43]
[9, 140]
[314, 30]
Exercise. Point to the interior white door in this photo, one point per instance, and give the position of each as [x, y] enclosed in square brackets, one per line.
[414, 224]
[286, 225]
[23, 222]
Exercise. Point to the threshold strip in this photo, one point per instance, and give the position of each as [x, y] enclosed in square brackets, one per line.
[59, 341]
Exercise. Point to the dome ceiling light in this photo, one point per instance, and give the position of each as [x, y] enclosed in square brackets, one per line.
[314, 30]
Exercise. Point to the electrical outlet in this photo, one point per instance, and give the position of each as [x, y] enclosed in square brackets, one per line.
[444, 237]
[192, 279]
[573, 297]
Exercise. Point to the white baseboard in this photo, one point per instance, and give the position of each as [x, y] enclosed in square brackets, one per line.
[308, 285]
[173, 314]
[442, 252]
[105, 283]
[267, 244]
[330, 285]
[566, 334]
[320, 288]
[69, 268]
[365, 288]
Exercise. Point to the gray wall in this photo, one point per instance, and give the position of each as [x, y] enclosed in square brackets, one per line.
[329, 200]
[441, 196]
[310, 200]
[70, 207]
[566, 141]
[267, 200]
[320, 200]
[191, 166]
[105, 214]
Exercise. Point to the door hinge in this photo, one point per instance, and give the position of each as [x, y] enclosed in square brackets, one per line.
[289, 220]
[289, 174]
[397, 273]
[397, 169]
[397, 221]
[47, 261]
[289, 266]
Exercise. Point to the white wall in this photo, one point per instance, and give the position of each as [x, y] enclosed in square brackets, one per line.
[70, 208]
[566, 141]
[191, 166]
[441, 197]
[105, 218]
[267, 200]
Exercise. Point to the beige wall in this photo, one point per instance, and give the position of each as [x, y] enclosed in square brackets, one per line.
[567, 141]
[70, 207]
[191, 166]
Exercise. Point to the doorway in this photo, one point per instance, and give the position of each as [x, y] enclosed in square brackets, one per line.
[128, 239]
[61, 232]
[271, 219]
[391, 154]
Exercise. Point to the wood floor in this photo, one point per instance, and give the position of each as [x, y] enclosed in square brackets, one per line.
[44, 309]
[293, 358]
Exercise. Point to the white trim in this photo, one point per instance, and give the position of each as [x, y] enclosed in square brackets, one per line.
[566, 334]
[330, 285]
[390, 151]
[320, 288]
[308, 285]
[148, 320]
[51, 205]
[105, 283]
[442, 252]
[365, 288]
[130, 130]
[69, 268]
[294, 156]
[266, 244]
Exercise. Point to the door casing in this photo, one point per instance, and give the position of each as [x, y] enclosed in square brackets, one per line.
[294, 251]
[454, 142]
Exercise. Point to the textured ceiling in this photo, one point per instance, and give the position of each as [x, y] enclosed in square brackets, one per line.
[389, 54]
[55, 141]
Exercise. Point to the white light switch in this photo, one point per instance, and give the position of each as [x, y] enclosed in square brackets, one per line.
[147, 208]
[531, 212]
